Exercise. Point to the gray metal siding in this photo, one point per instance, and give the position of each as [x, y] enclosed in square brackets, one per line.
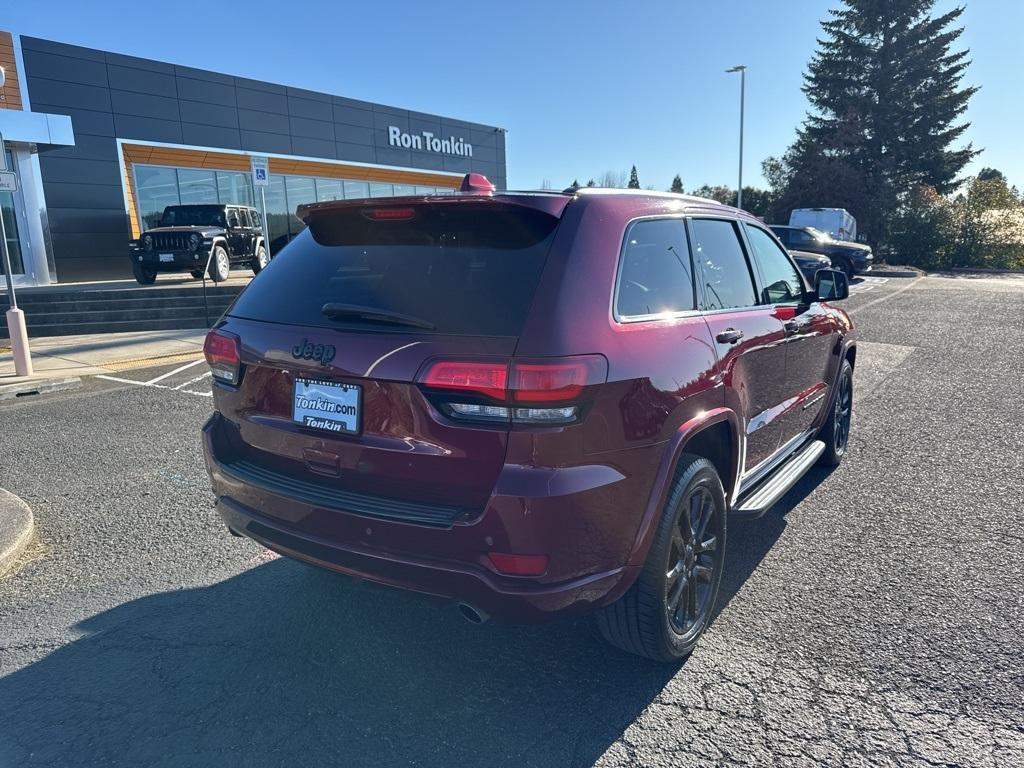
[110, 94]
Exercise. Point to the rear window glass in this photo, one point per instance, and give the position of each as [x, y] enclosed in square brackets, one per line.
[454, 269]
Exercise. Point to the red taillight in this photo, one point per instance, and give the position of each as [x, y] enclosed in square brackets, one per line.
[391, 213]
[547, 382]
[485, 378]
[518, 565]
[223, 355]
[516, 388]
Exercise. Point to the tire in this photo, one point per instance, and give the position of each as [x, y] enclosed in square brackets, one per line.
[197, 274]
[835, 432]
[220, 264]
[260, 260]
[143, 275]
[846, 266]
[640, 622]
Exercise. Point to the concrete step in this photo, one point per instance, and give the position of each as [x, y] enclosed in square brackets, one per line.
[63, 312]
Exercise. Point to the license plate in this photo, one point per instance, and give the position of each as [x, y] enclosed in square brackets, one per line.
[166, 257]
[327, 405]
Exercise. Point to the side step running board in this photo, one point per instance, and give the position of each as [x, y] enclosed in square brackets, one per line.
[764, 496]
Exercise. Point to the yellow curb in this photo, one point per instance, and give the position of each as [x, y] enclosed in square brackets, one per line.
[147, 362]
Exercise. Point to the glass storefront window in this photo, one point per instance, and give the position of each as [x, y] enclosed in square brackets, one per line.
[197, 186]
[300, 190]
[11, 228]
[155, 189]
[234, 188]
[356, 190]
[329, 189]
[277, 213]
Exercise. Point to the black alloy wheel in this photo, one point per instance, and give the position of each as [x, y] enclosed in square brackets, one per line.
[835, 432]
[694, 560]
[665, 611]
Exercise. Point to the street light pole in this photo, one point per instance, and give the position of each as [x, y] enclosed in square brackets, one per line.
[742, 69]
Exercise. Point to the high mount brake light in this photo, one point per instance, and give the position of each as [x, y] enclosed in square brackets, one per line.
[507, 387]
[390, 214]
[222, 351]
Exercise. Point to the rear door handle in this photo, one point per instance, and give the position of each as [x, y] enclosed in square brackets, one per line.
[729, 336]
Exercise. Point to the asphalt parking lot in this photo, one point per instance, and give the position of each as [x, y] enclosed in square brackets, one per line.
[874, 617]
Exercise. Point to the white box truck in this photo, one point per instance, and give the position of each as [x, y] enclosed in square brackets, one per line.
[836, 221]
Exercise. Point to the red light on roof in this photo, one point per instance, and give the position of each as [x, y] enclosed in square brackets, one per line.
[391, 213]
[476, 182]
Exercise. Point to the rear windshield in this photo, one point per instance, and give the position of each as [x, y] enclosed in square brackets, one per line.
[453, 269]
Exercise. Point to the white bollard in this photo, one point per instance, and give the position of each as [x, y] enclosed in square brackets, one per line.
[19, 342]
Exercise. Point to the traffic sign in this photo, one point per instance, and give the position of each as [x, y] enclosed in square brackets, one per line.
[8, 181]
[260, 171]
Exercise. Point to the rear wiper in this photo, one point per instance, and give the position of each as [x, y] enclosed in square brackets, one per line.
[346, 311]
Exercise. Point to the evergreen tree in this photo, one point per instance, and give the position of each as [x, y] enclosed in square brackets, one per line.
[575, 184]
[886, 96]
[634, 180]
[677, 185]
[591, 183]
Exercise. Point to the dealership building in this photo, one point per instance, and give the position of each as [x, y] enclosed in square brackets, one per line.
[100, 142]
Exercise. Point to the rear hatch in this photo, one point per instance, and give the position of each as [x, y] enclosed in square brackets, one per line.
[342, 333]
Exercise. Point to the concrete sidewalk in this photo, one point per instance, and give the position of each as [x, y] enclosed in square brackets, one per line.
[63, 357]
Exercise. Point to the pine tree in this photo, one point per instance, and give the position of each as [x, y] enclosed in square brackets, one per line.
[591, 183]
[634, 180]
[677, 185]
[575, 184]
[886, 96]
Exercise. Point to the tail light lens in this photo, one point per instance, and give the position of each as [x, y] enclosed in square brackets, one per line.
[483, 378]
[538, 392]
[223, 353]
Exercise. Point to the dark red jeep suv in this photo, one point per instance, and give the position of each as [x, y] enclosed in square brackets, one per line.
[533, 404]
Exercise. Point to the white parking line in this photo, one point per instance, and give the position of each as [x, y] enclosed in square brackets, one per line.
[887, 296]
[151, 385]
[176, 370]
[193, 381]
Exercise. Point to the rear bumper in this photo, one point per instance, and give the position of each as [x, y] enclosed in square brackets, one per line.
[443, 562]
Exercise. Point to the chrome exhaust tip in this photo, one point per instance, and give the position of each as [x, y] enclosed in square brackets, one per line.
[473, 615]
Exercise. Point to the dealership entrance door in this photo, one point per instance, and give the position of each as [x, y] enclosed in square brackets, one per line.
[8, 201]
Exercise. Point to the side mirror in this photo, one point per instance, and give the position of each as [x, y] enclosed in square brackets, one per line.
[831, 285]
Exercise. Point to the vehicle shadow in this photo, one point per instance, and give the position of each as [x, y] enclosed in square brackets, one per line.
[287, 665]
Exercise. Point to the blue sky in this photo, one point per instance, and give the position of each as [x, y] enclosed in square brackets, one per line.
[581, 87]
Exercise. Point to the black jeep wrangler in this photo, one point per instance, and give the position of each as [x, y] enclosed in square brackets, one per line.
[189, 235]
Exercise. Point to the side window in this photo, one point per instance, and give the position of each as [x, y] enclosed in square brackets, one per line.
[799, 239]
[782, 234]
[782, 283]
[243, 218]
[255, 218]
[233, 217]
[725, 276]
[655, 274]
